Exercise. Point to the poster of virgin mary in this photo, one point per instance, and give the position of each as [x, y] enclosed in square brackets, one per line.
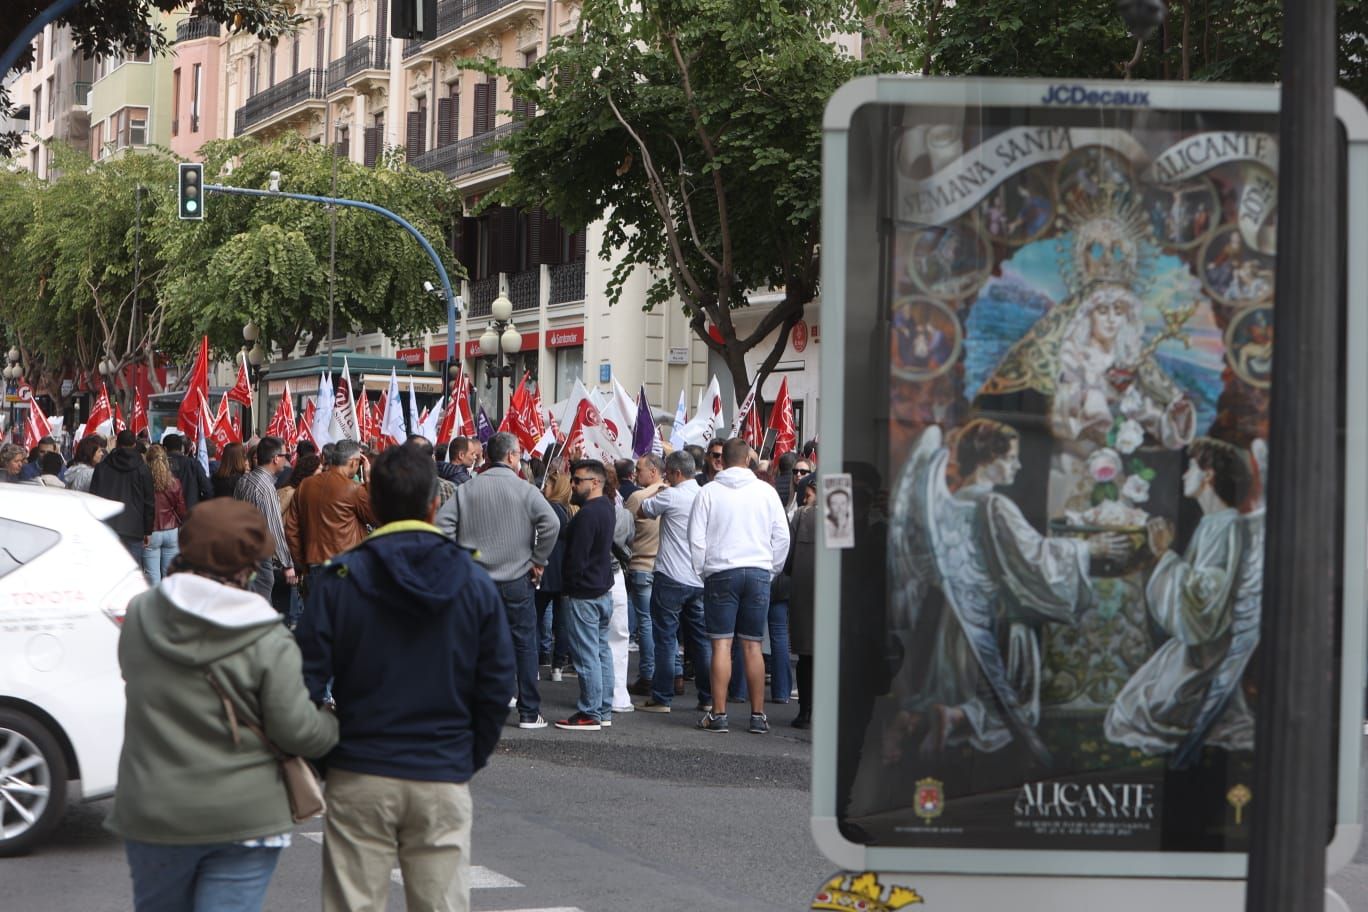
[1075, 521]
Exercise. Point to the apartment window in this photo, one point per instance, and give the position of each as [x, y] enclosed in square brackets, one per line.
[252, 75]
[270, 67]
[38, 51]
[33, 161]
[343, 140]
[320, 36]
[130, 126]
[196, 86]
[38, 105]
[351, 24]
[294, 56]
[96, 137]
[51, 99]
[175, 101]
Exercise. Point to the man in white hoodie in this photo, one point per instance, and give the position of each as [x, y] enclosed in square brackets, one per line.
[739, 540]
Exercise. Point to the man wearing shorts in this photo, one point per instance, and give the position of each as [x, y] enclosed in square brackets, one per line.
[738, 540]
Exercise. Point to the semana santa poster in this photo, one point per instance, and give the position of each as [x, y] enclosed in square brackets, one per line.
[1080, 343]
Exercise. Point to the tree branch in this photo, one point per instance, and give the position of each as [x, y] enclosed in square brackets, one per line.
[688, 210]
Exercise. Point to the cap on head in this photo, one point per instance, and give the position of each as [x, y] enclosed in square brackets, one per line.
[222, 537]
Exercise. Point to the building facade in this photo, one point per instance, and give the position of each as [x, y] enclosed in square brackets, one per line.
[52, 100]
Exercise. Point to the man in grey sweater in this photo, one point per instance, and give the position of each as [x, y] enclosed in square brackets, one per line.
[511, 528]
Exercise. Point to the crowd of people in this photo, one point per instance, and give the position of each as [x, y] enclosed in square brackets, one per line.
[429, 590]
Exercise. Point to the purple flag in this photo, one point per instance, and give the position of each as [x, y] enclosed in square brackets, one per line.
[644, 435]
[484, 428]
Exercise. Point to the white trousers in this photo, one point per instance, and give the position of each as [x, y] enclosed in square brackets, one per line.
[618, 638]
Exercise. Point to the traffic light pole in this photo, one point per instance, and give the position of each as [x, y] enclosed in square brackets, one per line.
[379, 210]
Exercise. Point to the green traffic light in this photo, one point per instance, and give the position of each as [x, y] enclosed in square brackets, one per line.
[191, 206]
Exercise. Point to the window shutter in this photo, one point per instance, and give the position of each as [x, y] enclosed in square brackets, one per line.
[443, 122]
[381, 29]
[455, 114]
[372, 146]
[536, 235]
[506, 239]
[519, 108]
[469, 252]
[577, 244]
[484, 110]
[414, 134]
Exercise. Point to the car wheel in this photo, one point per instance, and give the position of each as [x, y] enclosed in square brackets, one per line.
[33, 782]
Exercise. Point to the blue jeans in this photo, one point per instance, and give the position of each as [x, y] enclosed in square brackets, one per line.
[736, 603]
[162, 548]
[675, 605]
[296, 608]
[781, 679]
[519, 605]
[134, 546]
[587, 629]
[221, 877]
[551, 626]
[639, 600]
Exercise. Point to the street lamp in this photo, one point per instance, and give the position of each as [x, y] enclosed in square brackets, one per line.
[500, 338]
[1142, 19]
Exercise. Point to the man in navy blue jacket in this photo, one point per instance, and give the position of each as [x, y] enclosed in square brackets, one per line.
[413, 636]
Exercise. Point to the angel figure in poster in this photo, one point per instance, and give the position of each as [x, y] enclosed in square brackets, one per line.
[1207, 601]
[991, 580]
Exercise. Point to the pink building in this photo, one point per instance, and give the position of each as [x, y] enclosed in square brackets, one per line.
[195, 90]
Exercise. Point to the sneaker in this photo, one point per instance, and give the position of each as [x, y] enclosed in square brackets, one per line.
[711, 722]
[580, 722]
[803, 719]
[624, 709]
[531, 721]
[632, 646]
[759, 724]
[651, 706]
[606, 723]
[704, 706]
[513, 703]
[557, 674]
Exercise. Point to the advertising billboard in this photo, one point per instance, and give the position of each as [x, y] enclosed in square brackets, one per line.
[1053, 310]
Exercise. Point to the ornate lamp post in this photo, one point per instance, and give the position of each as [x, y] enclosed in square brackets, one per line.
[1142, 18]
[500, 338]
[256, 356]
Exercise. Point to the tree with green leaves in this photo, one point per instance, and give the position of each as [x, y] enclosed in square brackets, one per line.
[93, 269]
[693, 128]
[267, 260]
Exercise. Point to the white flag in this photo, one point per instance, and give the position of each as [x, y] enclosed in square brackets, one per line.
[707, 423]
[680, 419]
[413, 410]
[323, 415]
[393, 424]
[344, 409]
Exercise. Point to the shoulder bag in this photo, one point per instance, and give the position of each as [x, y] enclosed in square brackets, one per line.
[302, 786]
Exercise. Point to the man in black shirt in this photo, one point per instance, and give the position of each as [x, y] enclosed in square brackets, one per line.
[587, 580]
[194, 481]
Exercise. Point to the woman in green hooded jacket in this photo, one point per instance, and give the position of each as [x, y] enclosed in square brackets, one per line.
[201, 803]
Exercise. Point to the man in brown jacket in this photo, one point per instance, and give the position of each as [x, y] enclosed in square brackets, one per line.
[330, 512]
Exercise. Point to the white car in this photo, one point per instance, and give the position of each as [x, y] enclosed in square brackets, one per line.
[65, 583]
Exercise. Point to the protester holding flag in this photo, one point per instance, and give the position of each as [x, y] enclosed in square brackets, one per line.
[123, 476]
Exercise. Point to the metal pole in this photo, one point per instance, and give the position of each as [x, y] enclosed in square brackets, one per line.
[332, 254]
[1292, 777]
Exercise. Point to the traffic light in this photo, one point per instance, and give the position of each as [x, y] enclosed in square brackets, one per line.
[414, 20]
[190, 191]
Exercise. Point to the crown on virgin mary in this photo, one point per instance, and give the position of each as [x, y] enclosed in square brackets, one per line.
[1110, 242]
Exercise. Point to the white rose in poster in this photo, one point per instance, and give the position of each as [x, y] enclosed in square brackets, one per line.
[1104, 465]
[1136, 489]
[1133, 402]
[1129, 436]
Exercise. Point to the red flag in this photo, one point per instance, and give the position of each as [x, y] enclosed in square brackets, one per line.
[306, 422]
[282, 423]
[36, 425]
[139, 422]
[781, 420]
[222, 432]
[100, 413]
[196, 390]
[241, 392]
[751, 429]
[463, 401]
[119, 424]
[446, 428]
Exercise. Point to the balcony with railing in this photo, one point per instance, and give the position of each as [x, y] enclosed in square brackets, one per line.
[482, 295]
[454, 16]
[80, 93]
[469, 155]
[300, 92]
[524, 289]
[567, 283]
[197, 27]
[363, 55]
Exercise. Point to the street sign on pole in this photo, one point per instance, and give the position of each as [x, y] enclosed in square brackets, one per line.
[1049, 312]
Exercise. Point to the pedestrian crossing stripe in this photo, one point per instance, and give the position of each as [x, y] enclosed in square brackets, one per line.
[481, 878]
